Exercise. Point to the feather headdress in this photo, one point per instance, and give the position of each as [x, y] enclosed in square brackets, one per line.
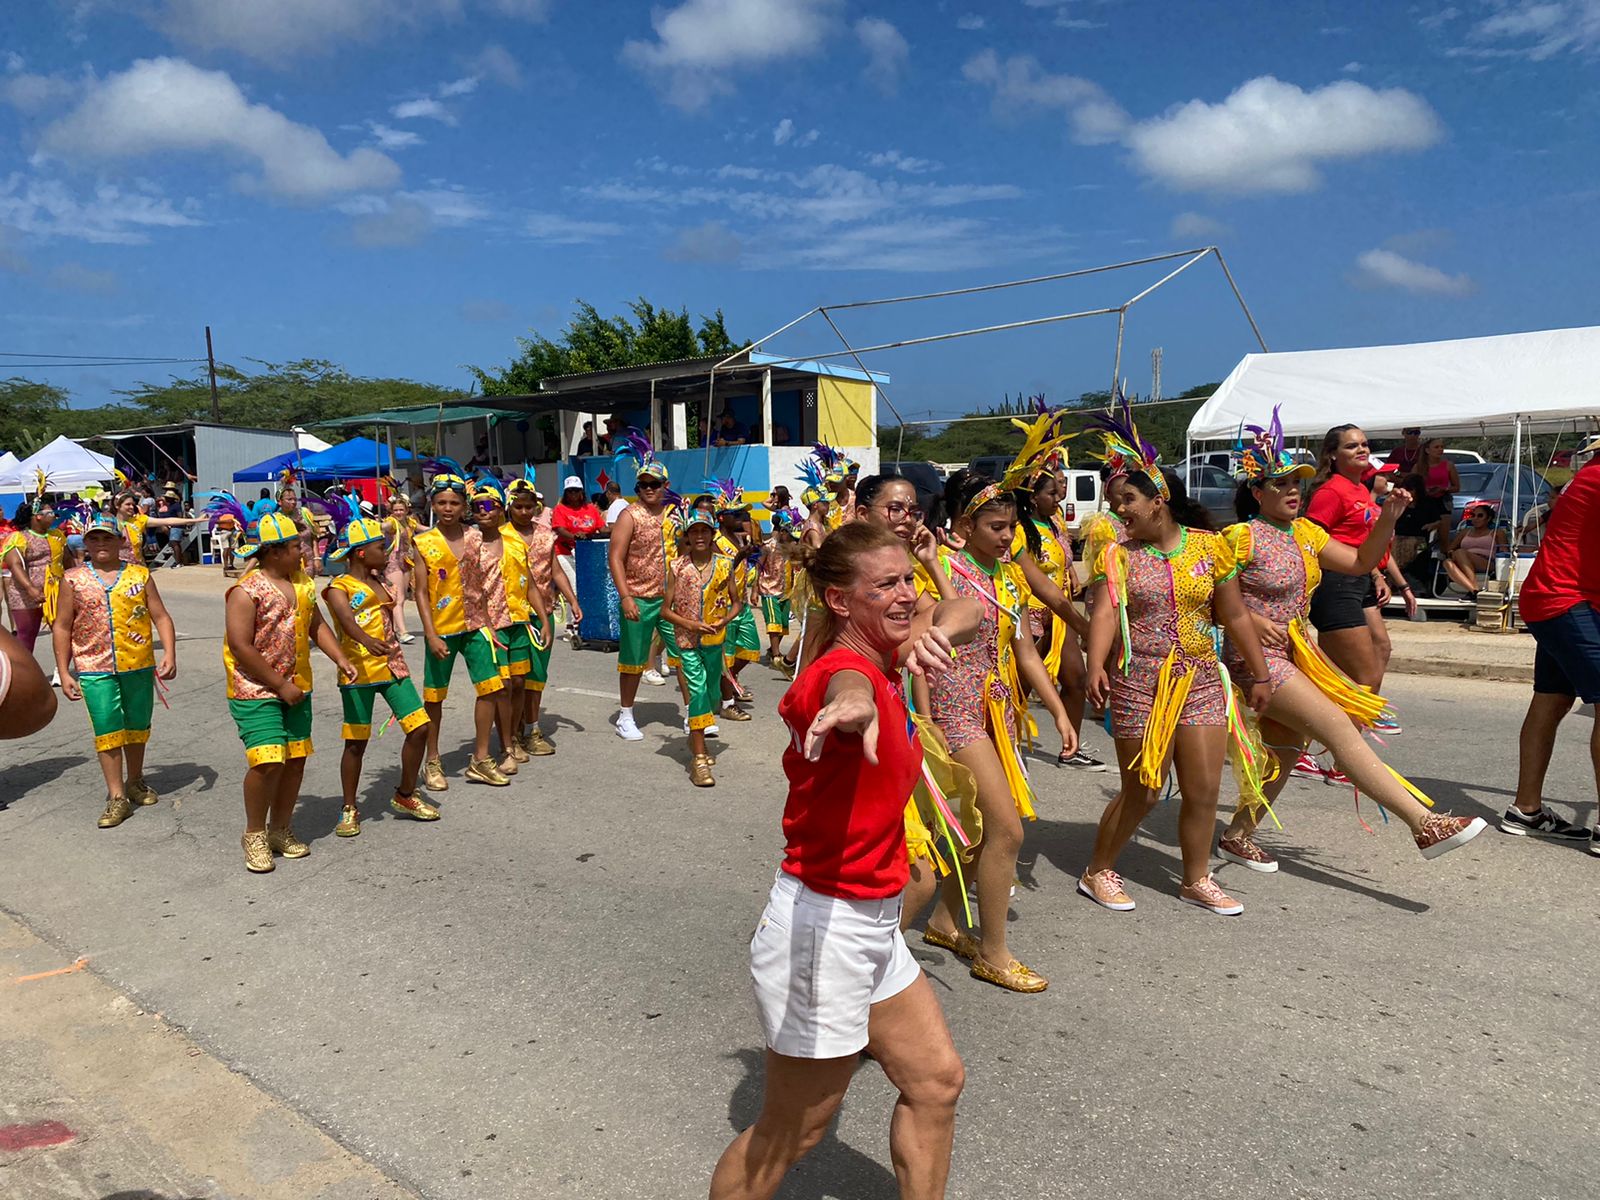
[786, 518]
[225, 504]
[1041, 438]
[727, 493]
[1262, 456]
[41, 484]
[123, 482]
[831, 460]
[633, 446]
[1124, 449]
[287, 478]
[526, 486]
[340, 509]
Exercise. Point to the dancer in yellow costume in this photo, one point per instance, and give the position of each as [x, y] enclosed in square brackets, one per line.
[35, 555]
[108, 616]
[774, 582]
[699, 603]
[1164, 592]
[743, 642]
[1281, 556]
[272, 621]
[363, 611]
[548, 581]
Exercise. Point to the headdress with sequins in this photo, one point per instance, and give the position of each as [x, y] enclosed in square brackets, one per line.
[1124, 449]
[1042, 438]
[633, 445]
[1262, 456]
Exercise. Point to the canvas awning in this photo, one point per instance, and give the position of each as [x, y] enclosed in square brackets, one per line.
[1548, 380]
[69, 466]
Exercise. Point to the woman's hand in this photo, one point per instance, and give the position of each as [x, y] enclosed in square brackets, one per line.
[951, 539]
[1098, 688]
[1382, 586]
[1270, 633]
[925, 547]
[1259, 696]
[853, 711]
[1396, 503]
[168, 668]
[1069, 736]
[930, 654]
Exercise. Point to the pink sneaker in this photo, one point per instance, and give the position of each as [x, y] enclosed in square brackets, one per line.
[1105, 889]
[1247, 852]
[1442, 833]
[1207, 895]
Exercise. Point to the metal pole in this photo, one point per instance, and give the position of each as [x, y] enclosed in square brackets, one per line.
[1170, 275]
[1254, 328]
[1116, 366]
[945, 337]
[211, 364]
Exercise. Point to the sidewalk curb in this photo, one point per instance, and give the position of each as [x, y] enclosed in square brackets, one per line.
[1455, 669]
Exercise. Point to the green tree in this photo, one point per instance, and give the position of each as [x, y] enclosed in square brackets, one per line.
[28, 412]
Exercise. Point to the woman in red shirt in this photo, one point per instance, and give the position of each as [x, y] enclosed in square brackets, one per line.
[831, 970]
[1343, 505]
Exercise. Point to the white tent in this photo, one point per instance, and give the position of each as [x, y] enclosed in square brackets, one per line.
[8, 462]
[1547, 380]
[68, 465]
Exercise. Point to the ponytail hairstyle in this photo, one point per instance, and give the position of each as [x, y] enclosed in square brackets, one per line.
[960, 489]
[1185, 511]
[834, 565]
[1330, 447]
[867, 488]
[1022, 498]
[1246, 503]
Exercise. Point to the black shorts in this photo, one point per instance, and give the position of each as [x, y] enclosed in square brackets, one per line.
[1341, 601]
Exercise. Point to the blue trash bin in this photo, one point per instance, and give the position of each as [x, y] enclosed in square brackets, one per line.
[597, 594]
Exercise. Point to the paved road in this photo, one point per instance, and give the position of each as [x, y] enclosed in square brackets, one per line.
[545, 994]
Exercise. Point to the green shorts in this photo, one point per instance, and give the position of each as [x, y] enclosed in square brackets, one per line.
[538, 665]
[744, 640]
[482, 669]
[399, 694]
[633, 648]
[775, 610]
[272, 731]
[701, 669]
[514, 654]
[120, 705]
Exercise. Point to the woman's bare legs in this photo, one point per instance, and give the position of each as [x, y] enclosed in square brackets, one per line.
[1463, 566]
[1382, 644]
[798, 1100]
[1197, 755]
[1352, 652]
[920, 890]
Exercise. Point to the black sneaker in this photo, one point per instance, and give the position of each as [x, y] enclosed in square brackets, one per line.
[1594, 842]
[1543, 823]
[1082, 761]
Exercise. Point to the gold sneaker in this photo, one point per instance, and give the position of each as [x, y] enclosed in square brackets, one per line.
[508, 764]
[257, 854]
[700, 771]
[483, 770]
[537, 744]
[117, 810]
[283, 841]
[349, 822]
[433, 776]
[732, 712]
[141, 793]
[413, 806]
[518, 751]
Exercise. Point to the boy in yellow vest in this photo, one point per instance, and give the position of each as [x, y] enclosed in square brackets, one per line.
[363, 613]
[272, 620]
[104, 621]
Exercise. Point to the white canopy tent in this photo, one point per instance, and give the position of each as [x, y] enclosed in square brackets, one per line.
[69, 466]
[8, 463]
[1545, 380]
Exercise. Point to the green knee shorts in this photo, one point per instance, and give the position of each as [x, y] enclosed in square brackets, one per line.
[477, 649]
[539, 666]
[514, 654]
[120, 705]
[775, 609]
[633, 650]
[272, 731]
[399, 694]
[743, 641]
[701, 668]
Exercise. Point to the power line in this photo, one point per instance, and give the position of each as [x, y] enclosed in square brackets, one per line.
[100, 358]
[114, 362]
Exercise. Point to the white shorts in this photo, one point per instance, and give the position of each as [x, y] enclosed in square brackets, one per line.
[819, 964]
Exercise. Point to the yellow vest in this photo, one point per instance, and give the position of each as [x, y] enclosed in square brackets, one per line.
[445, 592]
[367, 605]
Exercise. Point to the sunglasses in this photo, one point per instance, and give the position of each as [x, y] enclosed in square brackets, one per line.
[485, 506]
[652, 484]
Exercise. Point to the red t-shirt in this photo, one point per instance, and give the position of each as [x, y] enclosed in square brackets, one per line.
[1567, 571]
[569, 521]
[844, 822]
[1344, 508]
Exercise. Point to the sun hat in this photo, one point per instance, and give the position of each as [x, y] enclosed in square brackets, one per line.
[356, 535]
[273, 529]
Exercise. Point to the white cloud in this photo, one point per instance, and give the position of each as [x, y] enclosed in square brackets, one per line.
[75, 277]
[393, 139]
[1352, 68]
[1197, 225]
[426, 106]
[1535, 29]
[282, 31]
[166, 104]
[399, 222]
[1386, 269]
[903, 162]
[450, 206]
[567, 231]
[111, 215]
[459, 87]
[495, 62]
[783, 132]
[711, 242]
[12, 259]
[1020, 83]
[698, 43]
[1270, 136]
[887, 51]
[34, 93]
[970, 21]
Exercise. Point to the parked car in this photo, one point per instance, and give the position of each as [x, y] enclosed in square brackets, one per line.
[1214, 490]
[924, 476]
[992, 465]
[1459, 457]
[1083, 499]
[1492, 482]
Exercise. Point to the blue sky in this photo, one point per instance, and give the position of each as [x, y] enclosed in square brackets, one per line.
[404, 186]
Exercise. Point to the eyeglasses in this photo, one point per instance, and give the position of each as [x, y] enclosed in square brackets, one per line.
[894, 510]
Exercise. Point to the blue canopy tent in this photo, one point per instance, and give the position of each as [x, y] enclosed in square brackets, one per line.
[360, 457]
[266, 472]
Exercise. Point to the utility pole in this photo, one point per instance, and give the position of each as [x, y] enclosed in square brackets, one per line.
[211, 362]
[1155, 374]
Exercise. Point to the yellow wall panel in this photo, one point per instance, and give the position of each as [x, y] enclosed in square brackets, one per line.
[845, 415]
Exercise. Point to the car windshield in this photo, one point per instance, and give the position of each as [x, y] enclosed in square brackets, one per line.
[1478, 477]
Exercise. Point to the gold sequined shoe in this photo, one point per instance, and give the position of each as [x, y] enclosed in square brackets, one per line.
[257, 854]
[141, 793]
[732, 712]
[519, 752]
[507, 765]
[483, 770]
[537, 744]
[117, 810]
[349, 822]
[413, 806]
[1015, 978]
[700, 771]
[962, 945]
[433, 776]
[283, 841]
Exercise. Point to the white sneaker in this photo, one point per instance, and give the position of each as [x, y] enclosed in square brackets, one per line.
[654, 678]
[407, 638]
[55, 678]
[627, 730]
[712, 731]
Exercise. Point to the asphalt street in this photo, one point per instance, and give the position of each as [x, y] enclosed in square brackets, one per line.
[545, 994]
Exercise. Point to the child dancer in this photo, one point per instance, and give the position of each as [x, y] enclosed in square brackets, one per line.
[363, 612]
[104, 624]
[774, 581]
[33, 555]
[548, 579]
[401, 528]
[698, 604]
[272, 620]
[743, 643]
[510, 601]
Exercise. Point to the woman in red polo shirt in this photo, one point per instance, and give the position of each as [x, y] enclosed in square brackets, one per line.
[831, 970]
[1343, 505]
